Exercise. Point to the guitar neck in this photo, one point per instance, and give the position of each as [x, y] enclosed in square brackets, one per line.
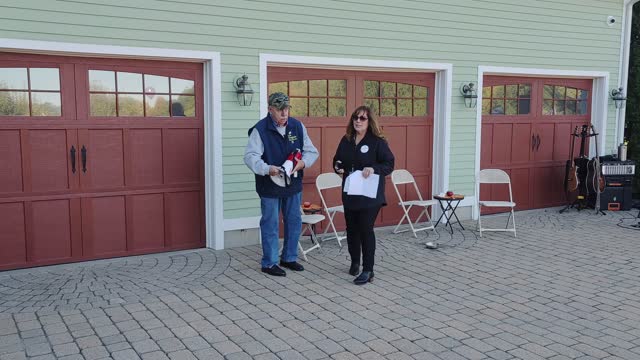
[583, 140]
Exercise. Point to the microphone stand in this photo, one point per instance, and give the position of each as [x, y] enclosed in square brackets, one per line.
[598, 174]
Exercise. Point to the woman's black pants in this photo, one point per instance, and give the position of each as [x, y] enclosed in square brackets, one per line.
[360, 235]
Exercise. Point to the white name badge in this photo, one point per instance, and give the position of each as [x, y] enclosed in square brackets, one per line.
[364, 149]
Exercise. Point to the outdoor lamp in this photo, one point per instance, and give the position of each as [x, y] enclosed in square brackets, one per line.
[618, 97]
[469, 94]
[243, 90]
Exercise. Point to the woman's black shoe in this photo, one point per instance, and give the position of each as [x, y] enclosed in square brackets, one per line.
[354, 269]
[363, 278]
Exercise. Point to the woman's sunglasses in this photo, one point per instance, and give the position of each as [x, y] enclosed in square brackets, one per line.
[361, 118]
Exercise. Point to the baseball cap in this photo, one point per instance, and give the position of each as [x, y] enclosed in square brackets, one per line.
[278, 100]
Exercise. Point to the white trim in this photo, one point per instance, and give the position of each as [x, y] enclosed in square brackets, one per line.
[442, 100]
[599, 102]
[599, 112]
[623, 71]
[71, 49]
[467, 201]
[498, 70]
[442, 132]
[242, 223]
[214, 204]
[212, 109]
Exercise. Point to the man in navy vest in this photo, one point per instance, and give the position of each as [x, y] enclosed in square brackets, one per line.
[271, 141]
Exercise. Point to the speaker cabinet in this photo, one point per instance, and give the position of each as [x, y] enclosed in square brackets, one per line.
[616, 198]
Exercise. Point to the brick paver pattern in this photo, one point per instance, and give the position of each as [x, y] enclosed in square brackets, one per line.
[566, 288]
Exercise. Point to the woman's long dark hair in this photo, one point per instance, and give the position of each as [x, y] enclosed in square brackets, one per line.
[374, 128]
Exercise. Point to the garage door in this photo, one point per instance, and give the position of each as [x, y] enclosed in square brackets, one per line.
[98, 158]
[526, 126]
[324, 99]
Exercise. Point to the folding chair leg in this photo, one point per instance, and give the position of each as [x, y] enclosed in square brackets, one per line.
[304, 254]
[508, 220]
[431, 226]
[420, 216]
[395, 231]
[331, 226]
[511, 219]
[406, 216]
[425, 212]
[314, 240]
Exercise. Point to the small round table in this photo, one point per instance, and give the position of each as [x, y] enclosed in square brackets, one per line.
[449, 203]
[311, 209]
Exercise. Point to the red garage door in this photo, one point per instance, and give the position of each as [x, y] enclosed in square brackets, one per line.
[526, 126]
[98, 158]
[324, 99]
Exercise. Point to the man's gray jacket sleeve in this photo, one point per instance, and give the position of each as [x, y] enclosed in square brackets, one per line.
[255, 148]
[309, 152]
[253, 155]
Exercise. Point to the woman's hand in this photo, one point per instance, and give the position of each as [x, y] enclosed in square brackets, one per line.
[367, 171]
[337, 166]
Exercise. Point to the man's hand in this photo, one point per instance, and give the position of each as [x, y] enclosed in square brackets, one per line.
[367, 171]
[299, 166]
[274, 170]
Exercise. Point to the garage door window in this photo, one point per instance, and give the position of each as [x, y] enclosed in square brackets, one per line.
[396, 99]
[314, 98]
[116, 93]
[513, 99]
[30, 92]
[563, 100]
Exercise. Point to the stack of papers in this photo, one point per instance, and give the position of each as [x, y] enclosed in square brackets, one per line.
[356, 184]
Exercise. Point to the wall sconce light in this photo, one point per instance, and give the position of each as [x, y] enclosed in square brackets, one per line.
[469, 94]
[618, 97]
[243, 90]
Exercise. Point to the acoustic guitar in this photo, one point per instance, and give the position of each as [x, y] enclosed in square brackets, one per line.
[594, 180]
[582, 161]
[571, 170]
[595, 183]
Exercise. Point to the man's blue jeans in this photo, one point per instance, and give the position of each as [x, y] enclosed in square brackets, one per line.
[269, 228]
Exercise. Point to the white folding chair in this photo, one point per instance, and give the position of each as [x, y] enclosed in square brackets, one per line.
[329, 181]
[308, 223]
[402, 176]
[495, 176]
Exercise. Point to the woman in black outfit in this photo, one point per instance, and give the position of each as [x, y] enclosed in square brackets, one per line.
[363, 148]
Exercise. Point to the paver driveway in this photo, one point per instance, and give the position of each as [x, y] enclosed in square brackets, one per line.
[566, 288]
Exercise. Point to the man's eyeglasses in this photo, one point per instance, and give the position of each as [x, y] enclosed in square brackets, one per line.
[361, 118]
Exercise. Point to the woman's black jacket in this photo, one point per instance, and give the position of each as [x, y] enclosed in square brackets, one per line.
[372, 151]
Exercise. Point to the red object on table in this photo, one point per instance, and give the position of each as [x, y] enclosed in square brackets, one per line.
[311, 209]
[447, 197]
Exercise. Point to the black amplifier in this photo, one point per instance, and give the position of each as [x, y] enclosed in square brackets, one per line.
[618, 168]
[618, 185]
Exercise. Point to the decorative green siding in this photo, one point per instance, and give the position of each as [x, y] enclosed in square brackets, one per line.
[570, 34]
